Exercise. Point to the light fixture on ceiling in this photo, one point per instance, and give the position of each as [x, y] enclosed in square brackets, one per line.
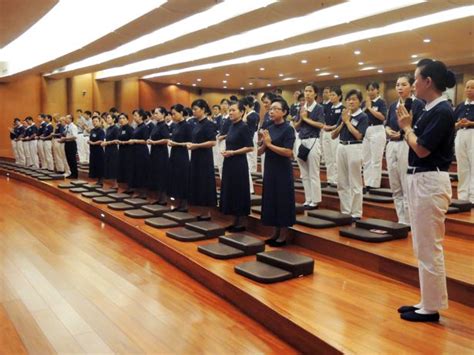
[414, 56]
[357, 52]
[304, 61]
[194, 84]
[299, 80]
[227, 74]
[324, 73]
[219, 13]
[198, 79]
[287, 79]
[242, 88]
[55, 37]
[262, 68]
[361, 63]
[178, 83]
[225, 87]
[380, 71]
[251, 84]
[281, 74]
[336, 76]
[368, 68]
[269, 84]
[402, 26]
[427, 40]
[224, 81]
[279, 31]
[317, 69]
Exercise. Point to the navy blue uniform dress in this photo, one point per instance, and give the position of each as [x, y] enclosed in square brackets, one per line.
[158, 165]
[202, 179]
[111, 153]
[178, 165]
[96, 156]
[235, 187]
[124, 171]
[278, 200]
[139, 158]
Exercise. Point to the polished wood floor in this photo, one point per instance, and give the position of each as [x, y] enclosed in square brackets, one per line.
[71, 284]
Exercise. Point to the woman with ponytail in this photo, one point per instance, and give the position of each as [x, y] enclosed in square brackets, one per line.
[431, 142]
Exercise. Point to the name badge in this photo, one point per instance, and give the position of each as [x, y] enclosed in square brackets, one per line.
[375, 108]
[93, 135]
[123, 132]
[337, 111]
[354, 122]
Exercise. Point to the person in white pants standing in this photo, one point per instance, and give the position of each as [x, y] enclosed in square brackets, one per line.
[374, 140]
[431, 142]
[464, 144]
[41, 156]
[397, 149]
[330, 145]
[308, 124]
[46, 138]
[19, 131]
[223, 130]
[351, 128]
[13, 139]
[32, 144]
[251, 118]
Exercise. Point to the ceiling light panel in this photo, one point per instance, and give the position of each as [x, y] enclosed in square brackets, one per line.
[318, 20]
[59, 32]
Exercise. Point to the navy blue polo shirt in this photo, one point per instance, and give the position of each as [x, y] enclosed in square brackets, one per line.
[360, 121]
[267, 121]
[252, 122]
[294, 109]
[19, 131]
[225, 125]
[435, 132]
[47, 130]
[305, 130]
[465, 111]
[41, 128]
[31, 131]
[392, 120]
[334, 114]
[378, 105]
[327, 107]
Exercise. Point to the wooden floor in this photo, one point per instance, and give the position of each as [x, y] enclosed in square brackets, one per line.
[71, 284]
[349, 308]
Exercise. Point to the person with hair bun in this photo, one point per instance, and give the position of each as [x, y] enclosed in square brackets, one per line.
[464, 144]
[96, 151]
[124, 163]
[351, 128]
[235, 186]
[202, 178]
[265, 122]
[278, 197]
[431, 142]
[397, 149]
[111, 150]
[374, 139]
[139, 154]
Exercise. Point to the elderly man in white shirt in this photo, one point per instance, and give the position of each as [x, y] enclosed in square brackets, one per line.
[70, 146]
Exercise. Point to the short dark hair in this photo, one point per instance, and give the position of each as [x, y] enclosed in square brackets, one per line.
[141, 112]
[283, 103]
[374, 84]
[227, 101]
[113, 110]
[354, 92]
[268, 95]
[337, 90]
[16, 119]
[240, 104]
[216, 106]
[233, 98]
[248, 101]
[409, 77]
[88, 113]
[29, 118]
[441, 76]
[202, 104]
[314, 86]
[178, 108]
[300, 96]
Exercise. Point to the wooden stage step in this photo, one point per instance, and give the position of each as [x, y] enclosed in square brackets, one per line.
[341, 308]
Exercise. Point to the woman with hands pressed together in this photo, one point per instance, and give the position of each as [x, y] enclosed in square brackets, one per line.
[140, 154]
[124, 174]
[278, 200]
[235, 185]
[111, 151]
[158, 163]
[202, 178]
[350, 129]
[431, 142]
[96, 152]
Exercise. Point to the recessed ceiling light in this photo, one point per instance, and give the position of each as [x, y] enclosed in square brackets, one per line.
[304, 61]
[280, 75]
[414, 55]
[336, 76]
[317, 69]
[262, 68]
[194, 84]
[357, 52]
[299, 80]
[325, 73]
[288, 79]
[225, 87]
[227, 74]
[178, 83]
[380, 71]
[198, 79]
[242, 88]
[427, 40]
[224, 81]
[361, 63]
[269, 84]
[368, 68]
[251, 84]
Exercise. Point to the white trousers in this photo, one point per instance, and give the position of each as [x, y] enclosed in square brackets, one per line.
[330, 153]
[429, 196]
[48, 155]
[373, 146]
[42, 160]
[14, 150]
[220, 158]
[58, 162]
[349, 178]
[252, 156]
[83, 149]
[464, 146]
[309, 171]
[397, 164]
[62, 152]
[33, 150]
[20, 149]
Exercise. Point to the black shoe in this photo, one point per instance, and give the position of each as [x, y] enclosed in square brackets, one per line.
[162, 203]
[276, 243]
[235, 229]
[181, 209]
[404, 309]
[129, 192]
[270, 240]
[310, 207]
[204, 218]
[418, 317]
[355, 219]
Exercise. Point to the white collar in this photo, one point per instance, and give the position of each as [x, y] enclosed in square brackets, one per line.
[467, 102]
[310, 108]
[376, 99]
[358, 112]
[338, 105]
[435, 102]
[326, 102]
[251, 111]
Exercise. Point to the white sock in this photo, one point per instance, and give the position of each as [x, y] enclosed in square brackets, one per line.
[425, 311]
[418, 305]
